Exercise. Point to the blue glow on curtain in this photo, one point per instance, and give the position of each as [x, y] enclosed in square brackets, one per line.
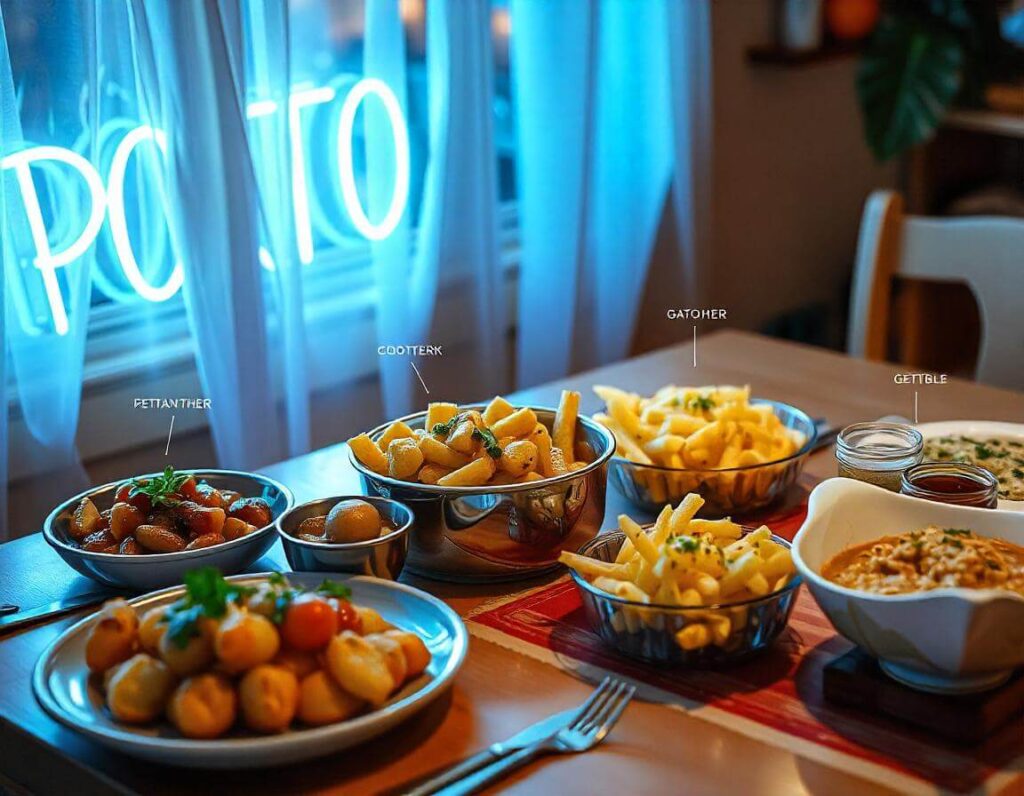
[592, 85]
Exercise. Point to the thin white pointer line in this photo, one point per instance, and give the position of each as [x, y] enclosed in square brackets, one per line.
[420, 377]
[695, 346]
[169, 431]
[916, 421]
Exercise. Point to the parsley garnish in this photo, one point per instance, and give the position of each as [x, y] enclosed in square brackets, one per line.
[983, 452]
[702, 402]
[207, 594]
[162, 489]
[686, 544]
[957, 531]
[444, 429]
[333, 588]
[490, 441]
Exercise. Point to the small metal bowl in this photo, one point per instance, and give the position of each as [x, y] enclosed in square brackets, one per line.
[159, 570]
[648, 632]
[383, 557]
[479, 534]
[730, 491]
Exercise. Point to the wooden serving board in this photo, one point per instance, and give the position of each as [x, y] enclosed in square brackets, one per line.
[854, 680]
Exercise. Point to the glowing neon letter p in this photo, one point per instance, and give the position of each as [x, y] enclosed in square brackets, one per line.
[46, 260]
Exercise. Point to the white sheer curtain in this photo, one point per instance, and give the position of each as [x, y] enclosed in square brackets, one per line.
[8, 111]
[603, 119]
[457, 233]
[193, 66]
[52, 211]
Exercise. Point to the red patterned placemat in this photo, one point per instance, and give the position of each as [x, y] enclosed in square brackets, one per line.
[776, 697]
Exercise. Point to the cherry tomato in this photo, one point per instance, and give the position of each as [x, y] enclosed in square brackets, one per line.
[309, 623]
[139, 501]
[348, 617]
[189, 489]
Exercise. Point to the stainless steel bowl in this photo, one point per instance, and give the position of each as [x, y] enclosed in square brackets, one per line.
[648, 632]
[475, 534]
[734, 490]
[383, 557]
[158, 570]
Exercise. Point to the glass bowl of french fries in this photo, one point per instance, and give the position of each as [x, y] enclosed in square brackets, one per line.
[686, 591]
[497, 491]
[739, 453]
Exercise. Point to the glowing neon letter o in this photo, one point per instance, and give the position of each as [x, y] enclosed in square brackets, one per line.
[119, 224]
[346, 171]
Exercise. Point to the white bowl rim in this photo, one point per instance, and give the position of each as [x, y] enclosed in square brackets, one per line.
[180, 555]
[976, 596]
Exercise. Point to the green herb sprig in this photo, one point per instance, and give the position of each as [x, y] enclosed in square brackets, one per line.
[489, 440]
[207, 594]
[332, 588]
[444, 429]
[162, 489]
[701, 402]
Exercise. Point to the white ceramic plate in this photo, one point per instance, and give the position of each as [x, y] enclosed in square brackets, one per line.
[977, 428]
[62, 685]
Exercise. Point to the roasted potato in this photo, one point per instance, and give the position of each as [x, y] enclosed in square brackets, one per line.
[124, 519]
[113, 638]
[152, 629]
[360, 668]
[393, 655]
[138, 689]
[244, 640]
[371, 621]
[253, 510]
[84, 520]
[193, 657]
[158, 539]
[417, 656]
[201, 520]
[353, 521]
[404, 458]
[269, 696]
[323, 701]
[203, 706]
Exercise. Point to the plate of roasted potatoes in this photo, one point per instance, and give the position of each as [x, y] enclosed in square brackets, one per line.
[252, 670]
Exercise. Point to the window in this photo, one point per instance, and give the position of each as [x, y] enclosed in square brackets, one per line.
[139, 339]
[135, 279]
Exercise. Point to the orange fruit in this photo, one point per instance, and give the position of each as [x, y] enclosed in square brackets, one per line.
[849, 20]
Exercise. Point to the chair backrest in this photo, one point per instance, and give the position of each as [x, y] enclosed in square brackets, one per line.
[985, 253]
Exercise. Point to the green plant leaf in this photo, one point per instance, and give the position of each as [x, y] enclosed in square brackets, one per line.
[907, 80]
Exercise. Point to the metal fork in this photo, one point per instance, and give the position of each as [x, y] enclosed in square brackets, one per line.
[595, 720]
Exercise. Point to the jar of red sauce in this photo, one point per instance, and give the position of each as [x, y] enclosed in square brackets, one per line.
[957, 483]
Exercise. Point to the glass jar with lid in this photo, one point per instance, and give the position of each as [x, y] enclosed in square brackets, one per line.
[958, 483]
[878, 453]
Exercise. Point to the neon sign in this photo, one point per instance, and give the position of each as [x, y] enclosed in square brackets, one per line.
[155, 280]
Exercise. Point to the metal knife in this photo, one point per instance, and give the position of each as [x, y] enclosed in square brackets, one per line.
[495, 752]
[11, 616]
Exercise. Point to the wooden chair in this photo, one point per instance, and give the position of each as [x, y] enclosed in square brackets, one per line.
[985, 253]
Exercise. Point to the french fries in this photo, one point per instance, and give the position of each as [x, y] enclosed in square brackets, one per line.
[707, 428]
[502, 444]
[690, 439]
[686, 562]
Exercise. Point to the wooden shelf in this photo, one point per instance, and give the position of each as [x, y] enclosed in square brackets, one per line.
[986, 121]
[774, 55]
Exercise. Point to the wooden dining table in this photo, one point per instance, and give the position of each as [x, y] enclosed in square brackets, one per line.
[653, 749]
